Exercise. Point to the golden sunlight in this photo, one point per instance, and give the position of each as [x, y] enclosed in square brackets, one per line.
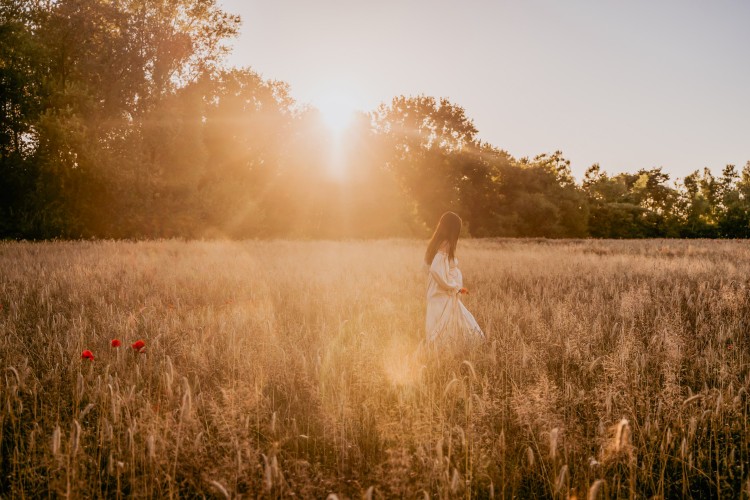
[337, 110]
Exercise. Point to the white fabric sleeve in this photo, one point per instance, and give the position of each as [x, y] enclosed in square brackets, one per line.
[439, 272]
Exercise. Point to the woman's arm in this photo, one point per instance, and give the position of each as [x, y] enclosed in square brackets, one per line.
[439, 272]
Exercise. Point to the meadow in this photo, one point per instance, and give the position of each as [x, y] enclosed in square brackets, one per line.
[612, 369]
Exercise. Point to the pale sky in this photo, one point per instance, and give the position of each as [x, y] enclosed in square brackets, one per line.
[632, 84]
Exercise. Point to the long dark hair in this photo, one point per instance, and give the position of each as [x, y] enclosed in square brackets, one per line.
[447, 230]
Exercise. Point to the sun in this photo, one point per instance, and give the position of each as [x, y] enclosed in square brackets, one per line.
[336, 110]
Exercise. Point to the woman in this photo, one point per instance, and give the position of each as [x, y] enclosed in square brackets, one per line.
[447, 318]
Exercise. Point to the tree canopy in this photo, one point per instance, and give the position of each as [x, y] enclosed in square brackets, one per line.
[121, 120]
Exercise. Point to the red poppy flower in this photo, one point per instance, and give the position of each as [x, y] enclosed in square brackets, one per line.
[464, 291]
[87, 355]
[138, 345]
[115, 343]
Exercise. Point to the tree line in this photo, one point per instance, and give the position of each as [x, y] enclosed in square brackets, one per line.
[120, 120]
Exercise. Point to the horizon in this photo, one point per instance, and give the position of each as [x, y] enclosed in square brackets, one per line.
[675, 69]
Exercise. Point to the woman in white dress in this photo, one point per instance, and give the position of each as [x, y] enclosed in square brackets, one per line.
[447, 317]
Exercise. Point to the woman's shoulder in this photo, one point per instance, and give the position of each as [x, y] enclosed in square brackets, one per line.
[442, 256]
[437, 259]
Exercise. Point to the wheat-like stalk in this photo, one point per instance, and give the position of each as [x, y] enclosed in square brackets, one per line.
[290, 368]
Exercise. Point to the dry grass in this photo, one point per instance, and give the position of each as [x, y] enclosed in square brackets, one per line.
[612, 369]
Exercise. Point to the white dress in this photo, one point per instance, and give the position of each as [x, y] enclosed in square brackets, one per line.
[447, 317]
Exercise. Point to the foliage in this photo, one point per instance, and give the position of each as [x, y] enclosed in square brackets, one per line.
[119, 120]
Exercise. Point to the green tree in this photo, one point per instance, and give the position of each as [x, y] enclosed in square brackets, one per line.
[249, 126]
[698, 206]
[635, 205]
[539, 198]
[425, 138]
[22, 91]
[84, 79]
[734, 215]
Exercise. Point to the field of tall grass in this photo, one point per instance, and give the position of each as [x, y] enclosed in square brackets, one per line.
[280, 369]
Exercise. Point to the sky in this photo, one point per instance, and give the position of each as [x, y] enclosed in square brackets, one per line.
[628, 85]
